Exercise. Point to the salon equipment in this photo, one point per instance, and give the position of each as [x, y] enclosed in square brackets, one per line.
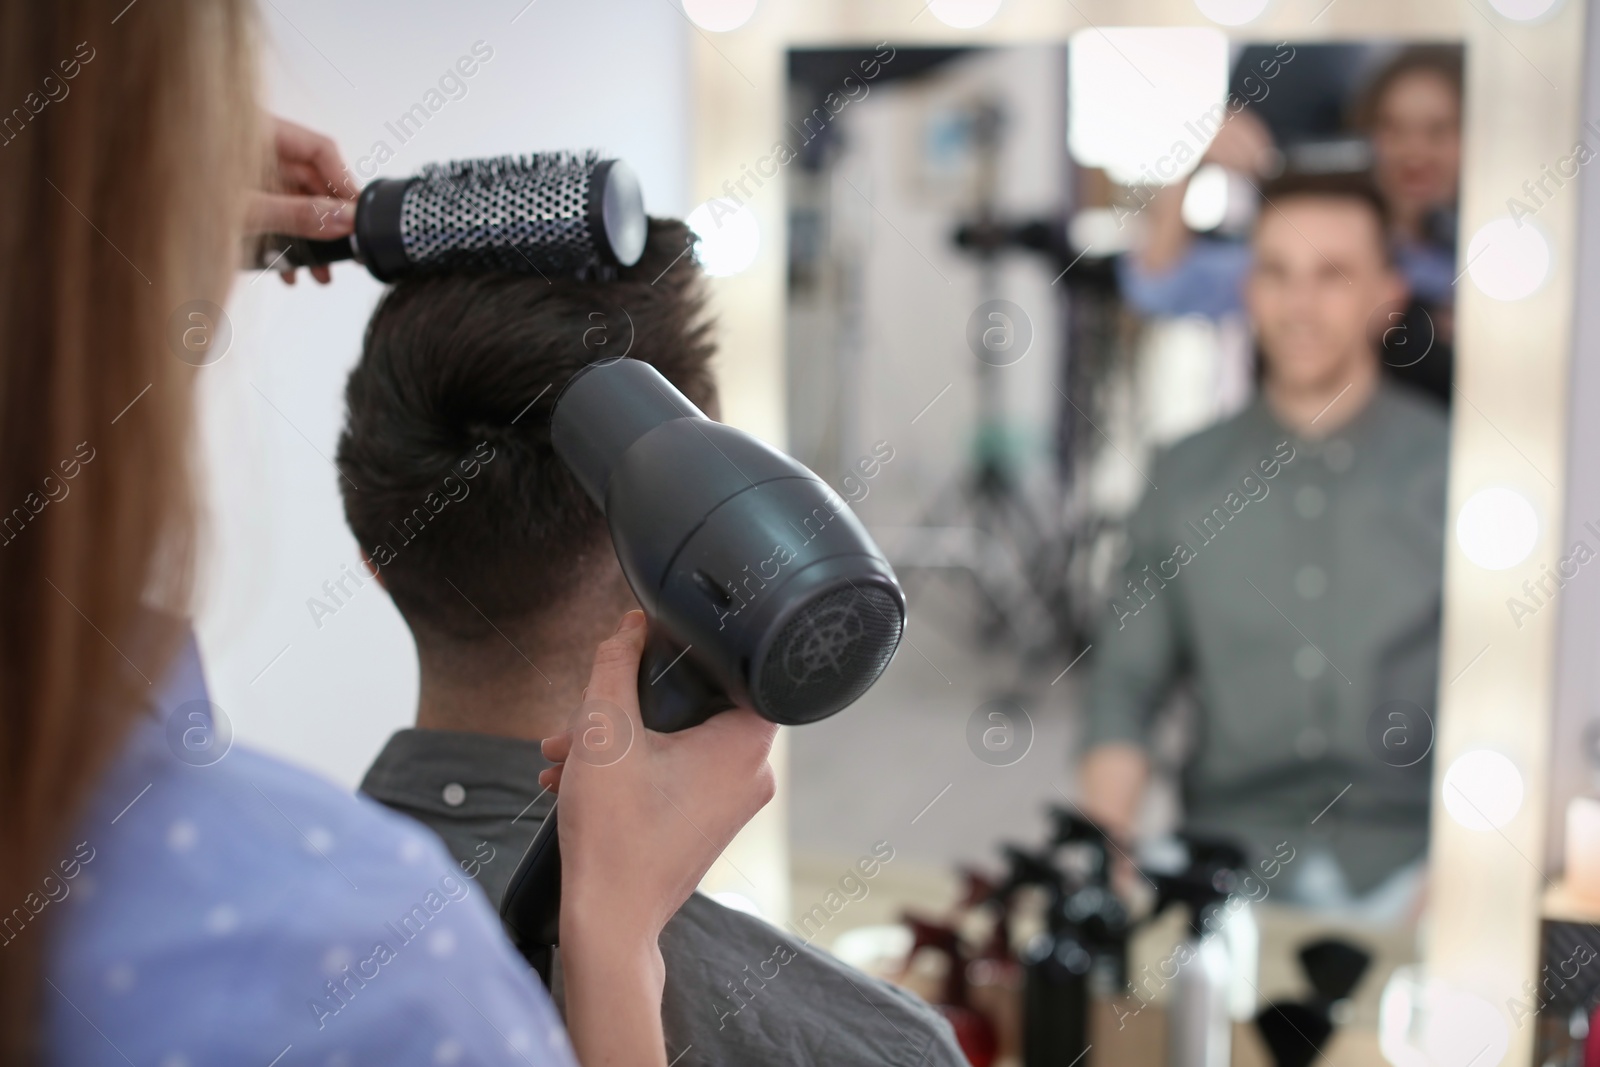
[1092, 907]
[1199, 1019]
[1056, 966]
[974, 1031]
[1082, 953]
[994, 976]
[1296, 1032]
[761, 587]
[550, 213]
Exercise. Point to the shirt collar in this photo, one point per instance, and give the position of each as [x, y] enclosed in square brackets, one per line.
[498, 775]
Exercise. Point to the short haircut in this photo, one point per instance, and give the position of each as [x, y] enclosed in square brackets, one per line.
[449, 479]
[1355, 187]
[1441, 60]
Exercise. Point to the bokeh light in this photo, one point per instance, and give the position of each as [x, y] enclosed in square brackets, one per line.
[1508, 260]
[1524, 10]
[1231, 12]
[719, 16]
[1482, 790]
[964, 14]
[1497, 528]
[729, 236]
[1205, 202]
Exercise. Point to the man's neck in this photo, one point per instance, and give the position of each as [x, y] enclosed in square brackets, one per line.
[503, 693]
[1316, 412]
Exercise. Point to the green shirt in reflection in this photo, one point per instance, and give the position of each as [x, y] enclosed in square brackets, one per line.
[1294, 585]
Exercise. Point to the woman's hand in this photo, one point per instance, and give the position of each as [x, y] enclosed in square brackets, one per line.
[312, 194]
[1244, 144]
[643, 816]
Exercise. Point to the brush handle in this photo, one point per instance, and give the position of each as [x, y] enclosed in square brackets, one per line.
[377, 241]
[280, 252]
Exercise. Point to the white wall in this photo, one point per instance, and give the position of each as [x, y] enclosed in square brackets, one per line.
[565, 74]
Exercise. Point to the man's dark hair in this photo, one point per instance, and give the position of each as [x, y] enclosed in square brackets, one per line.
[1338, 185]
[450, 483]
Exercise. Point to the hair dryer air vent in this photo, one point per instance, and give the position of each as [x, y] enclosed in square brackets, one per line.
[831, 649]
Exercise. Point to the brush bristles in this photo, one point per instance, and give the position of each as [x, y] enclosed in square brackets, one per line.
[500, 168]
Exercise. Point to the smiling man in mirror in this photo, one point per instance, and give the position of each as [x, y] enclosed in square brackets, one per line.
[1288, 571]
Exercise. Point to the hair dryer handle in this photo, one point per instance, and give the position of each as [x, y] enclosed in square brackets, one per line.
[674, 693]
[531, 908]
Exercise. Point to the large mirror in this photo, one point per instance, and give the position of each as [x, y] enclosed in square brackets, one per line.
[1135, 352]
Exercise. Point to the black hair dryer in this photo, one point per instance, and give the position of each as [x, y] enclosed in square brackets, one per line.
[761, 587]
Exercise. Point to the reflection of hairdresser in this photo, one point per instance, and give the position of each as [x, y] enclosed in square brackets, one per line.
[1411, 112]
[1287, 564]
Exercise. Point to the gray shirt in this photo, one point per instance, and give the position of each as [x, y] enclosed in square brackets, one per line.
[738, 990]
[1295, 585]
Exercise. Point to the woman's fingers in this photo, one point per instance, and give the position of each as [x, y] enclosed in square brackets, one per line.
[740, 734]
[320, 217]
[615, 677]
[556, 748]
[296, 144]
[550, 778]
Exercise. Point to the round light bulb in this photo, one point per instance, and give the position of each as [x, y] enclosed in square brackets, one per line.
[964, 14]
[1231, 12]
[719, 16]
[729, 236]
[1205, 202]
[1482, 790]
[1508, 260]
[1497, 528]
[1463, 1028]
[1524, 10]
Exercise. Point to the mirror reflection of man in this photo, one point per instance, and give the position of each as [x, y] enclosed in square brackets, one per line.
[1289, 569]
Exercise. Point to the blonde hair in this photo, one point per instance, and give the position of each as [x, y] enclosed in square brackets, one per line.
[127, 132]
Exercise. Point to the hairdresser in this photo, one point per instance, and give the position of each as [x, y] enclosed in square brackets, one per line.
[1410, 112]
[161, 909]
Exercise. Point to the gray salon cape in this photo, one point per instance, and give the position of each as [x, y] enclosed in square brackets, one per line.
[738, 990]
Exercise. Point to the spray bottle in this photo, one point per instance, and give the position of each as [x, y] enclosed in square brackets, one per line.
[1206, 964]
